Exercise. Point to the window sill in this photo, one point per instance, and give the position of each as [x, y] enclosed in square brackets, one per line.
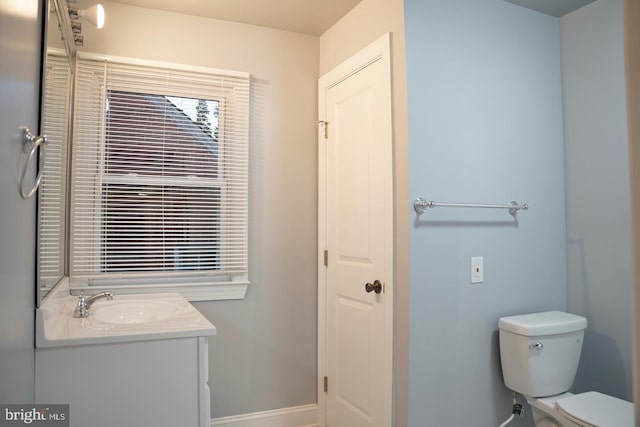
[192, 292]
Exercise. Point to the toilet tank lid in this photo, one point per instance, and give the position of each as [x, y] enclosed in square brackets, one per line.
[546, 323]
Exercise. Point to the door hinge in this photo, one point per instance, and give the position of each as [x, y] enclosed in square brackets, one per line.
[326, 384]
[326, 128]
[326, 258]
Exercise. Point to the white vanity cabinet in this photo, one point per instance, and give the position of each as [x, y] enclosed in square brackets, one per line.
[159, 383]
[134, 361]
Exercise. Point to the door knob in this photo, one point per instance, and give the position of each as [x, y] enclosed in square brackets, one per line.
[376, 286]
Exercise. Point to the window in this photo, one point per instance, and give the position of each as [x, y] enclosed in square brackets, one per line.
[159, 193]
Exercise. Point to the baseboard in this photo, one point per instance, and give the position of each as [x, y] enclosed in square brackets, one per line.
[298, 416]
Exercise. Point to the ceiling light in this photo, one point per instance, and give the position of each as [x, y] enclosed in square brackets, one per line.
[94, 14]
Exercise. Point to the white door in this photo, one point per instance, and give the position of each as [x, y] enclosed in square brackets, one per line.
[356, 230]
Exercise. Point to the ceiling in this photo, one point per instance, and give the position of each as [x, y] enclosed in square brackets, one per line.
[312, 17]
[556, 8]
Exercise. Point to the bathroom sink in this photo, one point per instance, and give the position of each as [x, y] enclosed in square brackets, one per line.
[125, 318]
[133, 312]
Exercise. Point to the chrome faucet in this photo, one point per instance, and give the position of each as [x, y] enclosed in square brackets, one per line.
[84, 304]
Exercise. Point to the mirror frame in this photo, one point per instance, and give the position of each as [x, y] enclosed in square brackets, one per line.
[64, 24]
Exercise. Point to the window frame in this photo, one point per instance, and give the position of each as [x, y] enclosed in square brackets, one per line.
[207, 285]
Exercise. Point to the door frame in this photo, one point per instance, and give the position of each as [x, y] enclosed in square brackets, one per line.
[379, 50]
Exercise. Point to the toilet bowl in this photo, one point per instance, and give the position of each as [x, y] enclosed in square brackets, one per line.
[546, 413]
[539, 355]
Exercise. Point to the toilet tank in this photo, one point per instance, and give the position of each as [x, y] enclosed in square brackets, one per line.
[540, 352]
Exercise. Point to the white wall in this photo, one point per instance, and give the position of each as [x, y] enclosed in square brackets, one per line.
[264, 356]
[598, 207]
[360, 27]
[485, 125]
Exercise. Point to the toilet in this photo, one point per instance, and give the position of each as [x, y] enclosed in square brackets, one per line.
[539, 353]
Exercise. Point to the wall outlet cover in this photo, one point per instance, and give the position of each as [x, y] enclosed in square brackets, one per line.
[477, 269]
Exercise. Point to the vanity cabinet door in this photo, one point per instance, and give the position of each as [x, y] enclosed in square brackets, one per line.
[148, 383]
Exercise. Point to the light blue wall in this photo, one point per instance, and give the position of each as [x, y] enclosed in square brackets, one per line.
[20, 61]
[598, 211]
[485, 125]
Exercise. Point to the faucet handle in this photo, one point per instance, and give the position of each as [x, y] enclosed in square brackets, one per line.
[81, 300]
[81, 307]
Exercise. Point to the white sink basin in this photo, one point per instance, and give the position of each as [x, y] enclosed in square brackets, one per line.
[126, 318]
[133, 312]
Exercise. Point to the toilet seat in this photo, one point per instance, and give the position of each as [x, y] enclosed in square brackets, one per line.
[593, 409]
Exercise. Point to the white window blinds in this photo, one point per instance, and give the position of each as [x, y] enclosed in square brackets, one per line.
[52, 194]
[160, 175]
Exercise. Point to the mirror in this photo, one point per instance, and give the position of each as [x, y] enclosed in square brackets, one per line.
[57, 71]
